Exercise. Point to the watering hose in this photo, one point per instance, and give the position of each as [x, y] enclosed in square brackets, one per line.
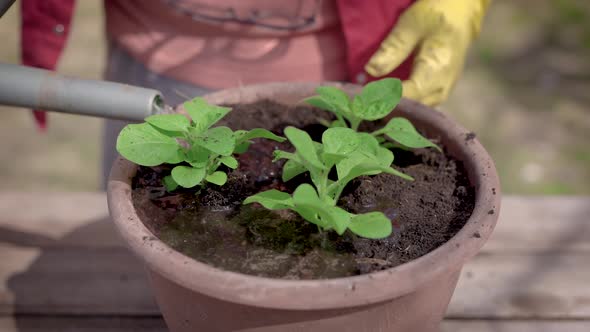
[42, 89]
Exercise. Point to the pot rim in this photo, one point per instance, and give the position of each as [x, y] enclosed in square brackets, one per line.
[319, 293]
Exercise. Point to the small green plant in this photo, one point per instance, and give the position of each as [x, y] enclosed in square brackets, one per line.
[353, 154]
[201, 148]
[375, 101]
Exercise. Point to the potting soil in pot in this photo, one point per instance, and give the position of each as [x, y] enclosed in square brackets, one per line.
[212, 225]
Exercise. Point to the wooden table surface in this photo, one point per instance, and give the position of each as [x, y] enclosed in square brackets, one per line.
[64, 268]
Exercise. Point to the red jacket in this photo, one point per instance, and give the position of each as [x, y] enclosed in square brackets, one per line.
[46, 25]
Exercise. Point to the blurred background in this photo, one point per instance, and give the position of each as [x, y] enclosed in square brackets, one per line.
[525, 93]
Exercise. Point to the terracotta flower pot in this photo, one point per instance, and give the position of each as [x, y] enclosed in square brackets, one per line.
[411, 297]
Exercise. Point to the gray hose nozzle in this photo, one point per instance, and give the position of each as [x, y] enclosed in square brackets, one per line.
[46, 90]
[5, 5]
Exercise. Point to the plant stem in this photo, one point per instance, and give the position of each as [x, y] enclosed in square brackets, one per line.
[213, 164]
[323, 184]
[340, 118]
[378, 132]
[338, 193]
[354, 123]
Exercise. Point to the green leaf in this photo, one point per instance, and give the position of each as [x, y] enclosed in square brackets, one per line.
[384, 157]
[219, 140]
[291, 169]
[376, 159]
[368, 143]
[187, 176]
[169, 183]
[242, 147]
[179, 157]
[229, 161]
[219, 178]
[204, 115]
[169, 122]
[313, 209]
[340, 140]
[272, 200]
[340, 219]
[372, 225]
[145, 145]
[257, 133]
[305, 207]
[395, 172]
[311, 215]
[319, 147]
[344, 166]
[198, 156]
[238, 134]
[320, 103]
[280, 154]
[338, 124]
[358, 165]
[365, 167]
[335, 97]
[305, 146]
[377, 99]
[372, 167]
[324, 122]
[305, 193]
[338, 143]
[333, 124]
[402, 131]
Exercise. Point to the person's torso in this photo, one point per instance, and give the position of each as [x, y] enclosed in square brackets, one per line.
[219, 44]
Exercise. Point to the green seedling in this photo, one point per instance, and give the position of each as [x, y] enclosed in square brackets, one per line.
[353, 154]
[197, 147]
[375, 101]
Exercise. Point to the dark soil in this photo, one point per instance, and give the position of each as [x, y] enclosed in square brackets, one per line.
[212, 226]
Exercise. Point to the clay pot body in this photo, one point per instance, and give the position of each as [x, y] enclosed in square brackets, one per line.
[411, 297]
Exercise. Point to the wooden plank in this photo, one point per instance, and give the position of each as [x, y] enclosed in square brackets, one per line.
[156, 324]
[56, 219]
[524, 286]
[515, 326]
[60, 255]
[86, 324]
[527, 224]
[112, 281]
[542, 224]
[65, 281]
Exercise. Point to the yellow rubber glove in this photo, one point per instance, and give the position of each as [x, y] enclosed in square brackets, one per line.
[440, 31]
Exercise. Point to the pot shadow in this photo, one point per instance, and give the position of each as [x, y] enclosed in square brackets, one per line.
[85, 279]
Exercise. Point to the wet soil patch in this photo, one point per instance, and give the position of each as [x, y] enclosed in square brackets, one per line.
[212, 226]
